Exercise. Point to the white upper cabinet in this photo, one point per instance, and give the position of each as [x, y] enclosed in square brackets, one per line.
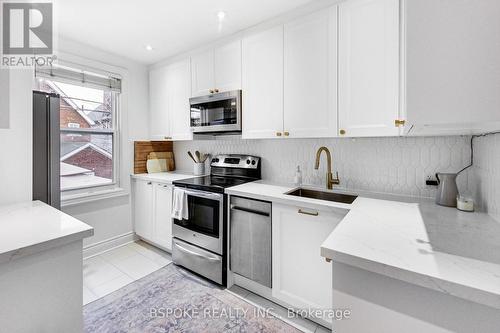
[158, 101]
[227, 66]
[169, 93]
[217, 70]
[179, 91]
[202, 73]
[262, 78]
[369, 68]
[452, 66]
[310, 76]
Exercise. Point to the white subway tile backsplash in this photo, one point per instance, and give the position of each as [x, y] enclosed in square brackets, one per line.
[390, 165]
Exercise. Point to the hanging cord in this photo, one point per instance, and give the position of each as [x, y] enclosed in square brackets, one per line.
[472, 149]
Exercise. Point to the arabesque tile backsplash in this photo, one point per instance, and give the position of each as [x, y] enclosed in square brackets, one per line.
[390, 165]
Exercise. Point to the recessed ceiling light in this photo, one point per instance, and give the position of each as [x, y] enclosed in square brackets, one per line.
[149, 48]
[221, 15]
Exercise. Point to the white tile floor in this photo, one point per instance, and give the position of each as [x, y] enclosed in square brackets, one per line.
[112, 270]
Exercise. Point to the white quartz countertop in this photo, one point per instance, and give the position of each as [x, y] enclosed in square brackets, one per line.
[412, 240]
[164, 177]
[33, 227]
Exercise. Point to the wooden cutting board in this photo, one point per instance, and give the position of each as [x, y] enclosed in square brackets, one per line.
[142, 149]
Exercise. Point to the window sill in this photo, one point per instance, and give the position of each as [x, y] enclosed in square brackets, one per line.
[80, 198]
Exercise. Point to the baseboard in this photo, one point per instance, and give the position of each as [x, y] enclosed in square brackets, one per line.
[108, 244]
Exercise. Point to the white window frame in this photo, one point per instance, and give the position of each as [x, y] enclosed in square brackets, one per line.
[115, 155]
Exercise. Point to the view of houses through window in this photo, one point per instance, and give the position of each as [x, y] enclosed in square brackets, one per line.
[87, 132]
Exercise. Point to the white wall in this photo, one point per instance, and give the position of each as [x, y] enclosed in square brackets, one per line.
[395, 165]
[4, 98]
[487, 173]
[109, 217]
[15, 142]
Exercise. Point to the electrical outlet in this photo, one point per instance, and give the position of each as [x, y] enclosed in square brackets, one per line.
[431, 181]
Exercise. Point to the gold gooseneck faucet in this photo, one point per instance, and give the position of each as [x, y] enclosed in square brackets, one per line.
[330, 181]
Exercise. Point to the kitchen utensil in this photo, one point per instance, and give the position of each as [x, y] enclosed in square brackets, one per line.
[447, 191]
[204, 157]
[192, 157]
[198, 156]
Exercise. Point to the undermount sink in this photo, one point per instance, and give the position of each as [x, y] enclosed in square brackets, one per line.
[328, 196]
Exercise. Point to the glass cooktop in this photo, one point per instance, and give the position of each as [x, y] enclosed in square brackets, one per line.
[212, 183]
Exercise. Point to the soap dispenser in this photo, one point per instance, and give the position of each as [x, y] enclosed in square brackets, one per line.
[298, 176]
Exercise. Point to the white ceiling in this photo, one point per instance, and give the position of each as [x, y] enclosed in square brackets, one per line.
[125, 27]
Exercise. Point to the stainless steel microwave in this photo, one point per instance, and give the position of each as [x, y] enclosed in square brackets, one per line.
[216, 113]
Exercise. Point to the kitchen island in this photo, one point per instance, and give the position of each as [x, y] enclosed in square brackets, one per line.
[40, 269]
[429, 268]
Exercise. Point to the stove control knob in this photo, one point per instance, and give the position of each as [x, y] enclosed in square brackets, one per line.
[253, 162]
[248, 161]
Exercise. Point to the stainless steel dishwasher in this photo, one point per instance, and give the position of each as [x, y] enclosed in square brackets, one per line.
[250, 241]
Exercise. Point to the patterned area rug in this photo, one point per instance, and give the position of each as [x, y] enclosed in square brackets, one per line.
[174, 300]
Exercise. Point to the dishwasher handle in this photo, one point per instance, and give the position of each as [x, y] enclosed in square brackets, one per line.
[249, 210]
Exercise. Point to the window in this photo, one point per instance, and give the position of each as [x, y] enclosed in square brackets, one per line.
[88, 138]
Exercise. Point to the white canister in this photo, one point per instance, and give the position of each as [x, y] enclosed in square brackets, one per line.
[199, 169]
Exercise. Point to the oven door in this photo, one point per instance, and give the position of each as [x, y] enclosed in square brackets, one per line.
[216, 113]
[204, 227]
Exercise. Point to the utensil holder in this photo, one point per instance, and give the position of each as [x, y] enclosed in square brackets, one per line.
[199, 169]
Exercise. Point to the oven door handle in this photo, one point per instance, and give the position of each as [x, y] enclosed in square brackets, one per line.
[183, 249]
[213, 196]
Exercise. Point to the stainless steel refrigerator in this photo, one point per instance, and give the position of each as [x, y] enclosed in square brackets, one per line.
[46, 148]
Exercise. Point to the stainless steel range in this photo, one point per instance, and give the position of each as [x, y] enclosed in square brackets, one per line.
[199, 242]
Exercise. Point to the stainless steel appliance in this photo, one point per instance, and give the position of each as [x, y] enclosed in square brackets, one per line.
[250, 241]
[447, 191]
[216, 113]
[46, 148]
[199, 242]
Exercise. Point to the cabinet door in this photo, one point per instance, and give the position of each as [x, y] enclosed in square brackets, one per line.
[310, 101]
[227, 64]
[301, 277]
[202, 73]
[369, 67]
[162, 215]
[158, 102]
[452, 66]
[179, 85]
[262, 75]
[143, 198]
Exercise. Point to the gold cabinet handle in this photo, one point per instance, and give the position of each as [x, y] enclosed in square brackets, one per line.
[328, 260]
[342, 132]
[216, 90]
[211, 91]
[399, 122]
[278, 133]
[308, 213]
[286, 133]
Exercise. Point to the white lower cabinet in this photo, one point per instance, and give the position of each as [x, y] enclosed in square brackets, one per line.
[152, 203]
[301, 277]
